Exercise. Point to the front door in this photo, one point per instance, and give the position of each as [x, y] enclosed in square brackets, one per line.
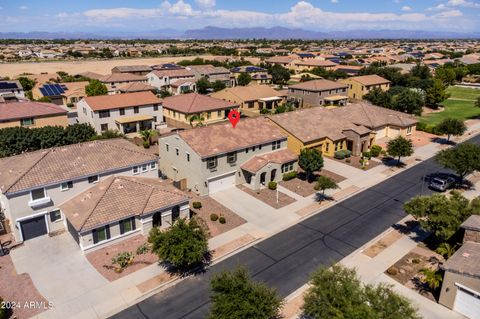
[262, 178]
[157, 219]
[272, 175]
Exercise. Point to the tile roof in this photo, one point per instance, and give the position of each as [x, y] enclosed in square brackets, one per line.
[120, 197]
[208, 69]
[280, 59]
[319, 85]
[107, 102]
[136, 87]
[60, 164]
[247, 93]
[465, 261]
[223, 138]
[173, 73]
[472, 223]
[195, 103]
[19, 110]
[372, 79]
[132, 68]
[258, 162]
[316, 63]
[122, 77]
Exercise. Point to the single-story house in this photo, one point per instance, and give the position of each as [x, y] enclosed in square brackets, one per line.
[32, 114]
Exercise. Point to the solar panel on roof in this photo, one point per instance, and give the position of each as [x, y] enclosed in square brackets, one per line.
[44, 93]
[7, 85]
[52, 90]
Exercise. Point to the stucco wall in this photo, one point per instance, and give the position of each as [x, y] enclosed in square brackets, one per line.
[57, 120]
[449, 290]
[312, 99]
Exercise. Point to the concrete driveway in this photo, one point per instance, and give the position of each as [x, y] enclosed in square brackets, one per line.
[57, 267]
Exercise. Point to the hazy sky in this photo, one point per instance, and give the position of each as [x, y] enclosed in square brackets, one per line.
[130, 15]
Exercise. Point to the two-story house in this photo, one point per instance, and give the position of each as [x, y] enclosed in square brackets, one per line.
[115, 80]
[318, 93]
[213, 158]
[212, 74]
[358, 86]
[126, 113]
[34, 184]
[165, 78]
[132, 69]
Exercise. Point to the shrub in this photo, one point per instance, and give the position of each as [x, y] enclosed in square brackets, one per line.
[367, 155]
[339, 155]
[347, 153]
[146, 144]
[375, 150]
[393, 271]
[222, 220]
[197, 205]
[123, 259]
[213, 217]
[348, 160]
[272, 185]
[290, 175]
[432, 129]
[143, 249]
[416, 260]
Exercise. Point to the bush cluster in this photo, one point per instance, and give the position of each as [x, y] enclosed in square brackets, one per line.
[272, 185]
[375, 150]
[290, 175]
[197, 205]
[342, 154]
[213, 217]
[428, 128]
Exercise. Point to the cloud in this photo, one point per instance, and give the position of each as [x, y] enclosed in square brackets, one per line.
[23, 7]
[406, 8]
[455, 3]
[334, 1]
[206, 3]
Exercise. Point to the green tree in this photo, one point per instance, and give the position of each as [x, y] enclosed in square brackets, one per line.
[451, 126]
[27, 83]
[164, 93]
[436, 94]
[244, 79]
[378, 97]
[196, 120]
[477, 102]
[337, 293]
[78, 133]
[409, 101]
[464, 159]
[446, 75]
[95, 87]
[420, 71]
[324, 183]
[218, 85]
[280, 75]
[184, 245]
[235, 295]
[446, 250]
[310, 160]
[147, 136]
[440, 214]
[203, 85]
[433, 278]
[45, 99]
[400, 147]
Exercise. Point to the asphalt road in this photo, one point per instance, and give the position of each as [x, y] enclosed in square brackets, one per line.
[286, 260]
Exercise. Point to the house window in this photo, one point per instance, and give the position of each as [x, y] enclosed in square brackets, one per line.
[101, 234]
[212, 163]
[144, 168]
[38, 193]
[409, 130]
[27, 122]
[122, 111]
[231, 157]
[155, 107]
[327, 146]
[177, 151]
[135, 170]
[287, 167]
[253, 149]
[246, 150]
[93, 179]
[153, 166]
[66, 186]
[104, 114]
[55, 215]
[275, 145]
[127, 225]
[188, 157]
[209, 115]
[219, 114]
[155, 119]
[259, 147]
[104, 127]
[167, 147]
[135, 109]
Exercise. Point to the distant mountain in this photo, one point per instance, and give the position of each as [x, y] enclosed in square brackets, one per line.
[216, 33]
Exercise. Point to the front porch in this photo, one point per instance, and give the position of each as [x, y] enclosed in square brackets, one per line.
[336, 100]
[134, 124]
[269, 103]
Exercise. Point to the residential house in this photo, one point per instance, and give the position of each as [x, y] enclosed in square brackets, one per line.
[178, 110]
[259, 75]
[35, 184]
[31, 114]
[461, 280]
[213, 158]
[115, 80]
[284, 61]
[163, 80]
[318, 93]
[135, 87]
[126, 113]
[307, 65]
[212, 74]
[11, 90]
[350, 70]
[252, 99]
[122, 206]
[132, 69]
[74, 92]
[358, 86]
[355, 127]
[53, 91]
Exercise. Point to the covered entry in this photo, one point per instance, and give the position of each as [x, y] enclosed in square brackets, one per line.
[33, 227]
[134, 124]
[221, 183]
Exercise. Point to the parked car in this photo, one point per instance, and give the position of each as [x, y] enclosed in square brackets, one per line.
[441, 184]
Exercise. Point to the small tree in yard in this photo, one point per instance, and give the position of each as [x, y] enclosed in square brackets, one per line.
[400, 147]
[451, 127]
[324, 183]
[464, 159]
[446, 250]
[147, 136]
[432, 278]
[310, 160]
[244, 79]
[477, 102]
[184, 245]
[95, 87]
[235, 296]
[338, 293]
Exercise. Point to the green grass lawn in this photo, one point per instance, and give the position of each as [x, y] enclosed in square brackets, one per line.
[458, 109]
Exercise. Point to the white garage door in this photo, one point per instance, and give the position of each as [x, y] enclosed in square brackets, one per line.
[221, 183]
[467, 302]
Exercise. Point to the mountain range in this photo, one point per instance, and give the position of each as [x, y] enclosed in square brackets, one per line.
[216, 33]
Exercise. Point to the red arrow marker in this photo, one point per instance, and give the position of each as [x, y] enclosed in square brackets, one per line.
[234, 117]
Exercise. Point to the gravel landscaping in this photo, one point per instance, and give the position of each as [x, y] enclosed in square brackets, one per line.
[211, 206]
[269, 196]
[304, 188]
[101, 258]
[354, 161]
[20, 289]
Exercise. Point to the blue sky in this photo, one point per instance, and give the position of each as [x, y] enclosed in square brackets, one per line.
[130, 15]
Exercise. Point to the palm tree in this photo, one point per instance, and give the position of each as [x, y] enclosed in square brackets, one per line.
[431, 277]
[147, 136]
[199, 118]
[446, 250]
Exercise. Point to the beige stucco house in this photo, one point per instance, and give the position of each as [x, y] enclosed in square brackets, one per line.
[318, 93]
[31, 114]
[358, 86]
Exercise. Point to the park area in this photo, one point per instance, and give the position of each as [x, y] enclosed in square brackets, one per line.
[460, 105]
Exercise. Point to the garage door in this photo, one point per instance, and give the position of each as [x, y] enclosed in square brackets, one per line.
[221, 183]
[34, 227]
[467, 303]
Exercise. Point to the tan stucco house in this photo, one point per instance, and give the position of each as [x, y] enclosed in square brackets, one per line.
[358, 86]
[31, 114]
[318, 93]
